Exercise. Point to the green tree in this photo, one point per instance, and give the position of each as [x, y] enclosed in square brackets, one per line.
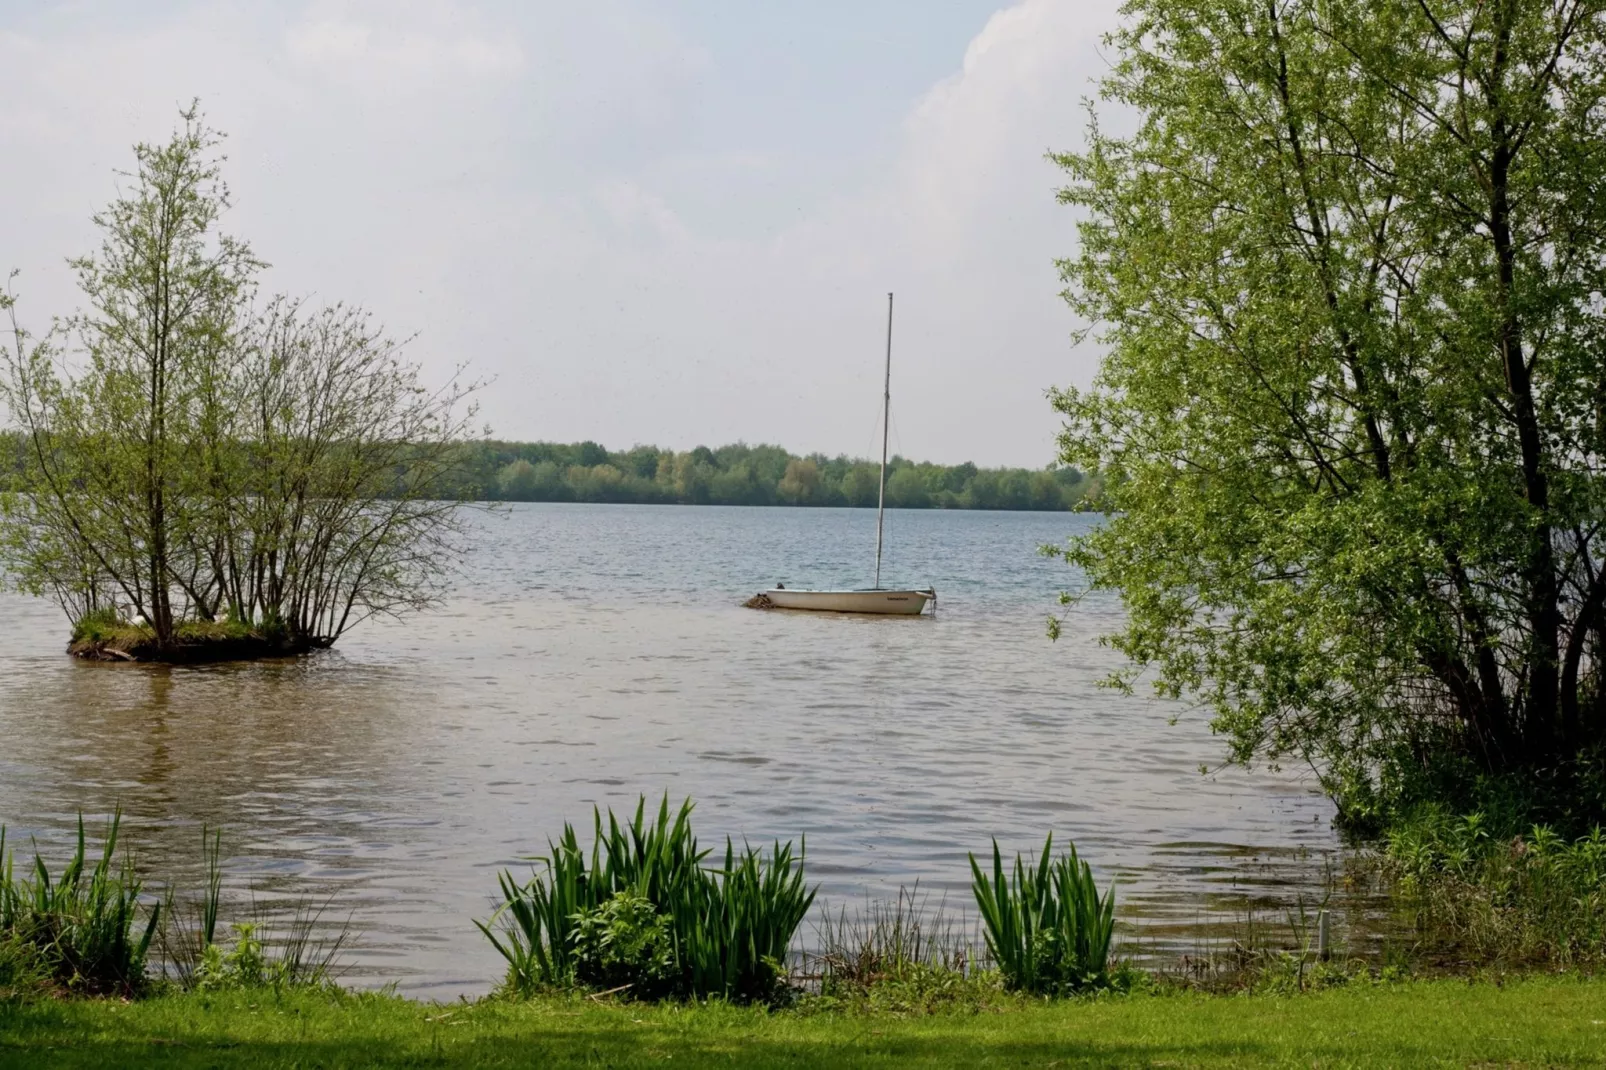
[1349, 269]
[860, 485]
[906, 489]
[518, 481]
[187, 459]
[114, 436]
[801, 484]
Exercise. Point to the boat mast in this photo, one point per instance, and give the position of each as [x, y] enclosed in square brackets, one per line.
[886, 420]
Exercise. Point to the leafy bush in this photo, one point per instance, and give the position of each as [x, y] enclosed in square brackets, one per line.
[728, 928]
[82, 926]
[1047, 927]
[903, 957]
[623, 943]
[1533, 897]
[245, 965]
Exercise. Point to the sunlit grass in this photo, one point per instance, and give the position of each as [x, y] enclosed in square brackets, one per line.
[1536, 1022]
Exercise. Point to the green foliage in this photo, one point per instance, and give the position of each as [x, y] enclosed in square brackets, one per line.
[242, 966]
[1047, 928]
[253, 963]
[625, 943]
[82, 927]
[754, 475]
[915, 990]
[889, 941]
[267, 952]
[1348, 268]
[98, 624]
[23, 976]
[901, 958]
[728, 928]
[1492, 895]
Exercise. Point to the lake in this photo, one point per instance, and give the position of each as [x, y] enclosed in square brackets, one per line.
[590, 654]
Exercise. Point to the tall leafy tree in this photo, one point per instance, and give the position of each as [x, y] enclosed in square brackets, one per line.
[112, 434]
[1349, 268]
[184, 457]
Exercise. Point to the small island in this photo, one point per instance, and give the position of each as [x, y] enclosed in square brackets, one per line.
[102, 636]
[201, 475]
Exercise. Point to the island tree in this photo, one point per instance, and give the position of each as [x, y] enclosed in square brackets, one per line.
[184, 458]
[1349, 267]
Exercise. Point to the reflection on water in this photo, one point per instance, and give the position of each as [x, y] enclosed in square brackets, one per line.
[595, 653]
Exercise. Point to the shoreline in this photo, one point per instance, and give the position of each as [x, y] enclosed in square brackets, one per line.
[141, 649]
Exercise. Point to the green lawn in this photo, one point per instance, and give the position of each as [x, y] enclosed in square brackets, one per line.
[1535, 1022]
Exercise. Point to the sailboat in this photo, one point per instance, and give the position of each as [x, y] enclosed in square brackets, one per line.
[877, 599]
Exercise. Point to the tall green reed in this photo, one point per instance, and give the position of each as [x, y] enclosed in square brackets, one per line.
[890, 941]
[1046, 925]
[82, 926]
[270, 950]
[729, 927]
[189, 925]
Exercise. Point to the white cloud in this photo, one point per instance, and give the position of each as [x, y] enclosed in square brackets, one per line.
[383, 48]
[514, 184]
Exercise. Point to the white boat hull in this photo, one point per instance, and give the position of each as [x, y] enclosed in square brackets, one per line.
[892, 603]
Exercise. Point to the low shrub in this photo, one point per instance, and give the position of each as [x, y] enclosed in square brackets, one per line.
[83, 926]
[889, 941]
[1047, 927]
[247, 964]
[1533, 897]
[605, 924]
[903, 958]
[625, 943]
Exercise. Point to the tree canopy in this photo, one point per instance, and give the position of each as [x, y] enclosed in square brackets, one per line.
[1350, 270]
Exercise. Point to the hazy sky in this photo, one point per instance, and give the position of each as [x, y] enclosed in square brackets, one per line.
[664, 222]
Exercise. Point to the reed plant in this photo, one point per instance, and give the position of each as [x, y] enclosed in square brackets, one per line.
[1047, 927]
[267, 951]
[889, 941]
[189, 924]
[727, 929]
[81, 928]
[902, 957]
[23, 977]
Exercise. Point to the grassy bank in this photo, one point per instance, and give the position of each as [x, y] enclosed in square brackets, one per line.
[1534, 1022]
[101, 636]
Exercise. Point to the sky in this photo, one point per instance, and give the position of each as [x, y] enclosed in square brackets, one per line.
[669, 222]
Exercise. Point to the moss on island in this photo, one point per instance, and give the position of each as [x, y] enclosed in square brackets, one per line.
[100, 638]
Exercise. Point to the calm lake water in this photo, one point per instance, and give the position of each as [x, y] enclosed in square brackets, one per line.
[592, 654]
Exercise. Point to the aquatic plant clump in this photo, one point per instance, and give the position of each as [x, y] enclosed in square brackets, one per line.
[1047, 927]
[646, 918]
[80, 930]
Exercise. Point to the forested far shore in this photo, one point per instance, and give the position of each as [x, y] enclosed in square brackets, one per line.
[736, 474]
[740, 474]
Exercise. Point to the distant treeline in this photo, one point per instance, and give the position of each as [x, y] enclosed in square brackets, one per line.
[730, 475]
[758, 475]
